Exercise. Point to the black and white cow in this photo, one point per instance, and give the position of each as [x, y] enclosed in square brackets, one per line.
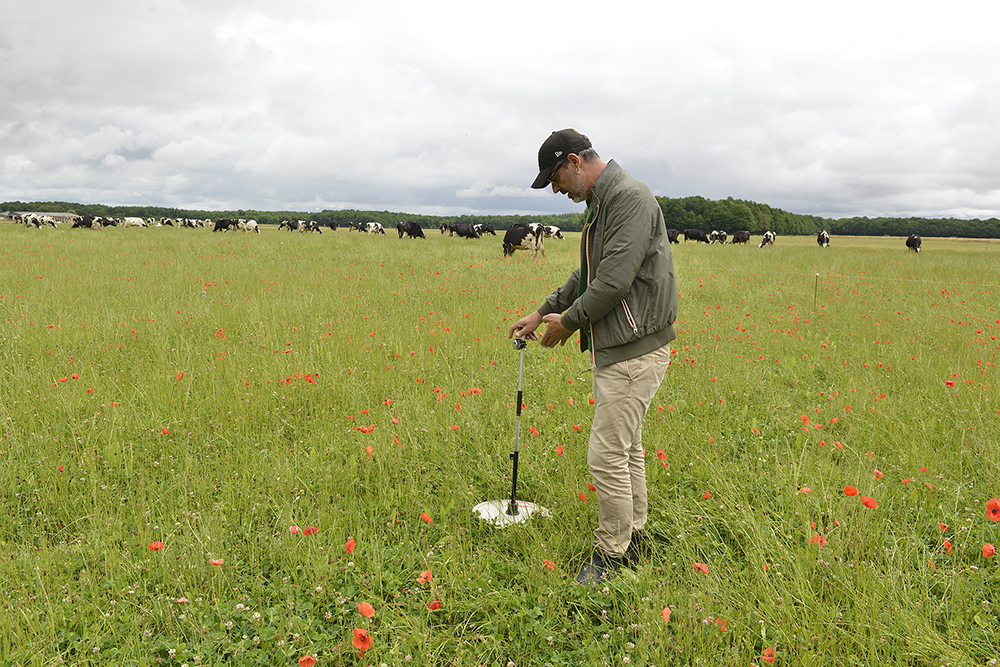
[768, 239]
[484, 229]
[697, 235]
[374, 228]
[913, 242]
[522, 237]
[553, 232]
[410, 229]
[718, 236]
[464, 230]
[134, 222]
[309, 226]
[742, 236]
[248, 226]
[224, 225]
[673, 236]
[823, 238]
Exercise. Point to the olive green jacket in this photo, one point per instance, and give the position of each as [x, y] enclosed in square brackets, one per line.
[630, 303]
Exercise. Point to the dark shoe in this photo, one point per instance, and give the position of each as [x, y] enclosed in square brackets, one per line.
[639, 547]
[601, 568]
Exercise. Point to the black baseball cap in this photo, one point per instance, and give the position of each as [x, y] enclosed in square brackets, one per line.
[556, 148]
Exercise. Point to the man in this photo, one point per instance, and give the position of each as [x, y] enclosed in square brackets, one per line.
[623, 302]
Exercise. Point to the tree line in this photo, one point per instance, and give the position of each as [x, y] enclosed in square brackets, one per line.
[729, 215]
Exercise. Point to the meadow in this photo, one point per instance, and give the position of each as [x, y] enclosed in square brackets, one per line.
[230, 449]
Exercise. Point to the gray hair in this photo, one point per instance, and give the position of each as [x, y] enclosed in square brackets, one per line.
[589, 155]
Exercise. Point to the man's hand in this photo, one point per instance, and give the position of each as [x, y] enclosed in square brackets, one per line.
[555, 332]
[525, 327]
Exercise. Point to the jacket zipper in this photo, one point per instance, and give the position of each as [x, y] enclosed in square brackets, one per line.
[593, 218]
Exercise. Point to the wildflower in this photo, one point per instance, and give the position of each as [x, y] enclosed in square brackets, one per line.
[947, 547]
[217, 561]
[362, 641]
[559, 450]
[805, 489]
[943, 526]
[707, 495]
[426, 517]
[591, 487]
[583, 497]
[877, 473]
[988, 550]
[165, 431]
[307, 661]
[365, 609]
[424, 577]
[576, 427]
[434, 605]
[179, 376]
[993, 509]
[768, 655]
[549, 564]
[310, 530]
[666, 614]
[294, 530]
[701, 567]
[850, 491]
[349, 547]
[869, 502]
[722, 623]
[949, 383]
[155, 546]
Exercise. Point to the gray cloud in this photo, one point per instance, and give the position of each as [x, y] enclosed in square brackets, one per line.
[440, 107]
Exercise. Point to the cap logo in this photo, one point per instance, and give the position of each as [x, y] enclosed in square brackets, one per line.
[558, 153]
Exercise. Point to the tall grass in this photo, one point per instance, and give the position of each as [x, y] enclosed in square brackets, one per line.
[212, 391]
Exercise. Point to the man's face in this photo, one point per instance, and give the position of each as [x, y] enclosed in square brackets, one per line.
[569, 181]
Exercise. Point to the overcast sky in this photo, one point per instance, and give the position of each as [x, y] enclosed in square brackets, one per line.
[837, 109]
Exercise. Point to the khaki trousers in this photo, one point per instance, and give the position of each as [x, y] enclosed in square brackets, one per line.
[622, 394]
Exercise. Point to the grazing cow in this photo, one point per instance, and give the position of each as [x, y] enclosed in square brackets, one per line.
[913, 242]
[673, 236]
[823, 238]
[768, 239]
[248, 226]
[697, 235]
[483, 229]
[741, 237]
[290, 225]
[332, 225]
[92, 222]
[410, 229]
[374, 228]
[309, 226]
[134, 222]
[356, 226]
[553, 232]
[225, 224]
[165, 222]
[464, 230]
[718, 236]
[521, 237]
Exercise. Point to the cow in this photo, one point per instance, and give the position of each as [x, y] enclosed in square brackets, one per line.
[768, 239]
[522, 237]
[464, 230]
[483, 229]
[332, 225]
[553, 232]
[309, 226]
[355, 226]
[225, 224]
[673, 236]
[742, 236]
[697, 235]
[290, 225]
[718, 236]
[823, 238]
[134, 222]
[374, 228]
[410, 229]
[248, 226]
[913, 242]
[92, 222]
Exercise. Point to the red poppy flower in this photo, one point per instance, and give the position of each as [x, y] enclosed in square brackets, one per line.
[661, 455]
[993, 509]
[75, 376]
[362, 641]
[768, 655]
[424, 577]
[307, 661]
[591, 401]
[293, 530]
[721, 622]
[576, 427]
[583, 497]
[365, 609]
[549, 564]
[666, 614]
[591, 487]
[869, 502]
[310, 530]
[701, 567]
[988, 550]
[179, 376]
[434, 605]
[155, 546]
[426, 517]
[877, 473]
[707, 495]
[949, 383]
[805, 489]
[349, 547]
[947, 547]
[165, 431]
[217, 561]
[943, 526]
[850, 491]
[559, 450]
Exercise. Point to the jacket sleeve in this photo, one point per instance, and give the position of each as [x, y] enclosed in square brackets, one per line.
[627, 238]
[563, 297]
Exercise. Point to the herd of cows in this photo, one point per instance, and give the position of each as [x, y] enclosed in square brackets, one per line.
[718, 236]
[530, 237]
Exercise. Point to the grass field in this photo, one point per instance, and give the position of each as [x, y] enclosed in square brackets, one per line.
[216, 447]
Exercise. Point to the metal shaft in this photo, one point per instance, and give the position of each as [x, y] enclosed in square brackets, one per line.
[512, 507]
